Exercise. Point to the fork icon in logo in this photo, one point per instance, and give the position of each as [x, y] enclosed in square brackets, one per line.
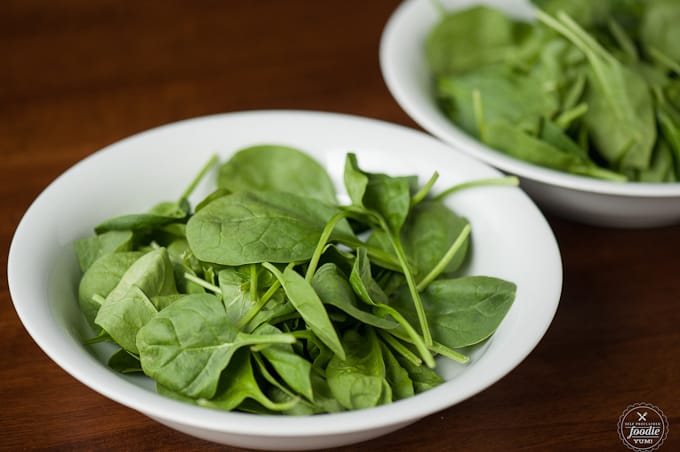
[642, 417]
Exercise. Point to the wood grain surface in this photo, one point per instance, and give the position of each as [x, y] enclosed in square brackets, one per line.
[77, 75]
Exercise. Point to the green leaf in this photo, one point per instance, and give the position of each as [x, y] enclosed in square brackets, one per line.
[462, 311]
[428, 234]
[245, 228]
[276, 168]
[620, 114]
[397, 377]
[122, 317]
[100, 279]
[357, 381]
[152, 273]
[89, 249]
[389, 197]
[237, 384]
[302, 295]
[334, 289]
[423, 377]
[659, 28]
[187, 345]
[124, 362]
[467, 39]
[294, 369]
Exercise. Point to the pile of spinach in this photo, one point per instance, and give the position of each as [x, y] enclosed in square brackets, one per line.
[590, 88]
[271, 297]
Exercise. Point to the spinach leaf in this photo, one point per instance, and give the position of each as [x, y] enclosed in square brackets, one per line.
[423, 377]
[294, 369]
[462, 311]
[432, 228]
[389, 197]
[468, 39]
[245, 228]
[334, 289]
[186, 346]
[152, 273]
[276, 168]
[89, 249]
[100, 279]
[397, 377]
[620, 116]
[123, 316]
[357, 380]
[659, 28]
[237, 384]
[124, 362]
[302, 295]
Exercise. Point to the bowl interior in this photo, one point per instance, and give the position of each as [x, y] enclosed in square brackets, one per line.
[510, 240]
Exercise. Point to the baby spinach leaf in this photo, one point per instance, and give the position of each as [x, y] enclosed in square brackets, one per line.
[389, 197]
[462, 311]
[237, 384]
[302, 295]
[370, 292]
[503, 96]
[245, 228]
[276, 168]
[659, 28]
[152, 273]
[423, 377]
[468, 39]
[357, 380]
[620, 116]
[427, 235]
[100, 279]
[334, 289]
[90, 249]
[124, 362]
[517, 143]
[124, 315]
[179, 252]
[397, 377]
[294, 369]
[186, 346]
[160, 215]
[234, 284]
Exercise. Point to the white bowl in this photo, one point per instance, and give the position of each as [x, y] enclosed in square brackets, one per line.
[511, 240]
[588, 200]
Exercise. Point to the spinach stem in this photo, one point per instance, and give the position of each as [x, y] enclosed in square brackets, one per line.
[98, 299]
[410, 281]
[415, 339]
[567, 116]
[203, 283]
[318, 251]
[257, 307]
[253, 282]
[505, 180]
[424, 190]
[444, 261]
[265, 339]
[198, 177]
[400, 348]
[479, 114]
[449, 353]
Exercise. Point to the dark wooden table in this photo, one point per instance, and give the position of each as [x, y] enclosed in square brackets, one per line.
[77, 75]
